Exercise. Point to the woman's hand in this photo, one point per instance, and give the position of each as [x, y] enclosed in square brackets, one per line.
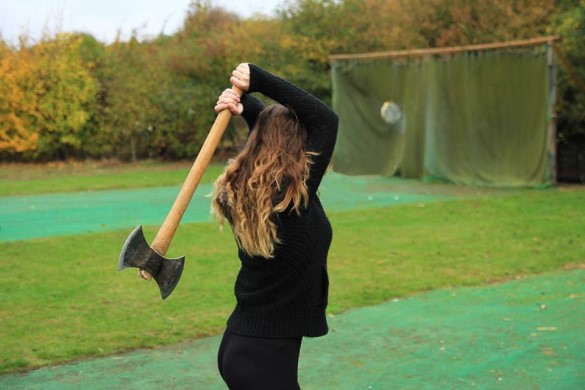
[241, 77]
[231, 100]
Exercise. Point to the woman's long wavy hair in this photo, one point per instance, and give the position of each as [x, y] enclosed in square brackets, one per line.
[267, 177]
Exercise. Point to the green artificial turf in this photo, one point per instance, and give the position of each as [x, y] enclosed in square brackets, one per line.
[63, 299]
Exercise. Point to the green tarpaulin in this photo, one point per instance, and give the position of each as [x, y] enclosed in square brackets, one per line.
[478, 118]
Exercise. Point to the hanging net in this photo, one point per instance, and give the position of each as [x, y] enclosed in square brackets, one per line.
[471, 117]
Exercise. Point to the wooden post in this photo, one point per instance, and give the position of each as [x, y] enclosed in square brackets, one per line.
[552, 128]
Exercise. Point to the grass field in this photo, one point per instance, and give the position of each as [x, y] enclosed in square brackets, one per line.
[27, 179]
[62, 299]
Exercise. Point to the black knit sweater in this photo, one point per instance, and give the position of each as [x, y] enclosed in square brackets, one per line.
[286, 296]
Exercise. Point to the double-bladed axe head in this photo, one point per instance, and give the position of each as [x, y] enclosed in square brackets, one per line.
[137, 253]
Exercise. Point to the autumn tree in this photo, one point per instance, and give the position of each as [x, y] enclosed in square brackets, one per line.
[17, 137]
[312, 30]
[48, 91]
[97, 142]
[200, 57]
[442, 23]
[73, 96]
[133, 82]
[569, 26]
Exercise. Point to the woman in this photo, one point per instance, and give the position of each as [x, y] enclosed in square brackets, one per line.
[268, 194]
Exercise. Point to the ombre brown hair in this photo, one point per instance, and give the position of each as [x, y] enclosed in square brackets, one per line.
[267, 177]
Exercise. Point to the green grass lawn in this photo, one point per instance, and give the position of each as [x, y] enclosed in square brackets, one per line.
[62, 298]
[27, 179]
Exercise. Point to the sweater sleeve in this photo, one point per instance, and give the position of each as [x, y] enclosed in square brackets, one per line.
[252, 108]
[319, 120]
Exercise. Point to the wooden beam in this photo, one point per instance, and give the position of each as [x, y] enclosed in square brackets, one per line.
[441, 50]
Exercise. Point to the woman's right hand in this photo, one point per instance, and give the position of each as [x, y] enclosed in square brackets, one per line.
[231, 100]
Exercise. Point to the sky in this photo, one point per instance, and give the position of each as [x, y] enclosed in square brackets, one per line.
[104, 18]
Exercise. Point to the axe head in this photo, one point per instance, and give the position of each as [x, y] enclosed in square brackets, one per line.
[137, 253]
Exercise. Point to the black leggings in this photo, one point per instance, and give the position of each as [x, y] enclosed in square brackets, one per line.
[254, 363]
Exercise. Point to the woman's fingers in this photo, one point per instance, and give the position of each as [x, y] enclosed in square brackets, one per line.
[228, 96]
[241, 77]
[229, 99]
[244, 70]
[235, 109]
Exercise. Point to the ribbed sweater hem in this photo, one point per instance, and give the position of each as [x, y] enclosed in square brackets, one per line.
[275, 325]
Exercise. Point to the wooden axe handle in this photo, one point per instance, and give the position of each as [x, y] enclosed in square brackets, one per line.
[162, 241]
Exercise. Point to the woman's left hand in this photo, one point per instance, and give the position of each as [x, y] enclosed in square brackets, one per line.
[231, 100]
[241, 77]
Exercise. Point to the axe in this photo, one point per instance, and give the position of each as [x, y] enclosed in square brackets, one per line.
[150, 258]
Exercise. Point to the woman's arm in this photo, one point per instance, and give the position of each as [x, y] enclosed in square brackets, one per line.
[310, 110]
[320, 121]
[252, 107]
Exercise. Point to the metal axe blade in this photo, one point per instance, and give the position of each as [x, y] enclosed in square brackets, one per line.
[137, 253]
